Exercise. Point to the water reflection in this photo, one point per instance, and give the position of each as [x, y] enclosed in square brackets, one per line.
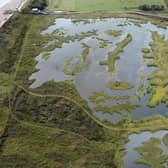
[131, 66]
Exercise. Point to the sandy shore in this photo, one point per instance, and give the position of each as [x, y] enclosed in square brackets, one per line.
[9, 5]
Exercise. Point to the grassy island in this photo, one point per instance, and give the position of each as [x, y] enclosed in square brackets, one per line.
[119, 85]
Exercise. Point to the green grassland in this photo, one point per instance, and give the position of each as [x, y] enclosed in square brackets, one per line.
[94, 5]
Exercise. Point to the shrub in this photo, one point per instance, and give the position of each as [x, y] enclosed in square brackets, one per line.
[146, 7]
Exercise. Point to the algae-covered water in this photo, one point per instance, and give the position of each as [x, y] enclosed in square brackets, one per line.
[81, 60]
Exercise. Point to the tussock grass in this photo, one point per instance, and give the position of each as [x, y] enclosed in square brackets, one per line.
[114, 33]
[119, 85]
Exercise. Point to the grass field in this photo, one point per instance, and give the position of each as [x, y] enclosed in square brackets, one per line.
[87, 5]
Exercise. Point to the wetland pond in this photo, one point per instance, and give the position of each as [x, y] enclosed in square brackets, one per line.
[104, 59]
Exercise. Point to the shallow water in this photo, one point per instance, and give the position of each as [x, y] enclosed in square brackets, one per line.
[131, 66]
[136, 140]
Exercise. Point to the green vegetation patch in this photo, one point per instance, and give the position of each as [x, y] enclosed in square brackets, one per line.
[80, 64]
[140, 89]
[101, 96]
[114, 33]
[137, 23]
[46, 55]
[165, 139]
[119, 85]
[146, 50]
[6, 84]
[117, 108]
[114, 55]
[103, 43]
[159, 94]
[158, 80]
[152, 154]
[4, 116]
[32, 45]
